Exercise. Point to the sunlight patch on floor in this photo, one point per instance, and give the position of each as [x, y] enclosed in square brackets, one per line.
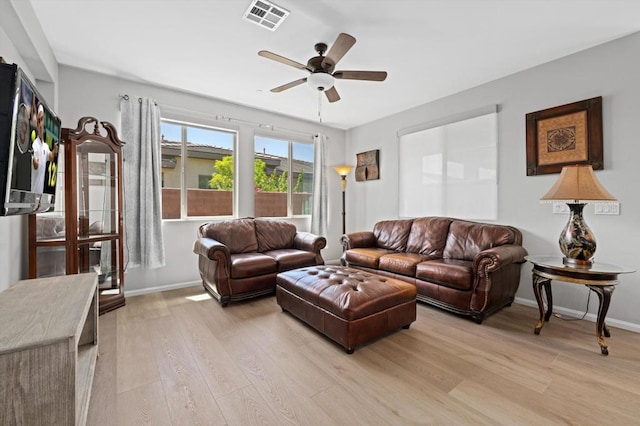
[199, 297]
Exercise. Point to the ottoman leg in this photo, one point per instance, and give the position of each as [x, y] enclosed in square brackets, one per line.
[349, 350]
[406, 327]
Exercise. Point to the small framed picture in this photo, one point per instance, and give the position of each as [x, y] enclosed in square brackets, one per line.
[565, 135]
[367, 167]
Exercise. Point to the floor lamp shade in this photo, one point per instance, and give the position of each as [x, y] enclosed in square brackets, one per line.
[575, 186]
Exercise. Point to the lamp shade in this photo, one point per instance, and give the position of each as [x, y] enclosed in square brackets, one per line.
[343, 170]
[577, 184]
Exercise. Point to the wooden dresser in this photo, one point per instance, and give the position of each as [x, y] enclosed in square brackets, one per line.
[48, 350]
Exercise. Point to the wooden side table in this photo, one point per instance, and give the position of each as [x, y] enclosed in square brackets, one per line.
[601, 278]
[48, 350]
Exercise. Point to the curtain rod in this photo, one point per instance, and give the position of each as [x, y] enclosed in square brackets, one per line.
[126, 98]
[221, 118]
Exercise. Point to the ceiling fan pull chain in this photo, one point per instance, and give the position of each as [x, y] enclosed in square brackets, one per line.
[320, 105]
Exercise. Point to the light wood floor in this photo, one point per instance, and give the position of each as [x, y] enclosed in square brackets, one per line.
[178, 358]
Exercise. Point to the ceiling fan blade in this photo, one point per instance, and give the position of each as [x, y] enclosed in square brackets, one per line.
[289, 85]
[343, 43]
[332, 94]
[361, 75]
[281, 59]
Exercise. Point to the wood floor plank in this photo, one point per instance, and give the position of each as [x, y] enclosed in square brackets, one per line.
[347, 408]
[441, 406]
[172, 357]
[135, 363]
[144, 405]
[246, 407]
[105, 386]
[590, 395]
[385, 399]
[218, 369]
[501, 410]
[491, 349]
[147, 306]
[186, 392]
[283, 395]
[280, 337]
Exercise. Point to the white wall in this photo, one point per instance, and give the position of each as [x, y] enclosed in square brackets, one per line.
[611, 71]
[87, 93]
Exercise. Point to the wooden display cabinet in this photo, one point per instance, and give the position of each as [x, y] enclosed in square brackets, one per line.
[92, 236]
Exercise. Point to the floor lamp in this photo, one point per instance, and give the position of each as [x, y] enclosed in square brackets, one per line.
[343, 171]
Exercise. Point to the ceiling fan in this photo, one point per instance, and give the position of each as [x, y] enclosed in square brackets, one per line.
[322, 67]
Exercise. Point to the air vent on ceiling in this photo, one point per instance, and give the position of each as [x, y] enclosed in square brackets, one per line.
[266, 14]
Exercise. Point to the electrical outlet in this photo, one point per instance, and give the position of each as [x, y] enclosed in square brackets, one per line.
[611, 208]
[559, 207]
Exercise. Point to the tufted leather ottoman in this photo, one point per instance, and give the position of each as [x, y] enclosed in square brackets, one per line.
[349, 306]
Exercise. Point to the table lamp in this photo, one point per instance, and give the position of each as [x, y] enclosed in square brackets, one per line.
[343, 171]
[576, 185]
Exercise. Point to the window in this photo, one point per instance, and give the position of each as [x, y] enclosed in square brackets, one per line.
[283, 177]
[453, 164]
[203, 184]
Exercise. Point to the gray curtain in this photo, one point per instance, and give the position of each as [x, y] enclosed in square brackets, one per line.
[319, 219]
[140, 121]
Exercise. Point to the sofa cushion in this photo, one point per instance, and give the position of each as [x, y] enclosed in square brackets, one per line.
[392, 234]
[467, 239]
[239, 235]
[288, 259]
[428, 236]
[367, 257]
[274, 234]
[452, 273]
[401, 263]
[245, 265]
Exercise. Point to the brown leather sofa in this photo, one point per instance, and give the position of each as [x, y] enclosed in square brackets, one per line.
[240, 258]
[466, 267]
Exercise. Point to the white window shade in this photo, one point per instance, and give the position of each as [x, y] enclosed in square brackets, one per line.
[449, 167]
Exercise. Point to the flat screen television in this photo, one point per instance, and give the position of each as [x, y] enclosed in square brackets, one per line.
[29, 146]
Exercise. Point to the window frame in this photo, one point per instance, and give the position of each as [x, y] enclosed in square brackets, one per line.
[204, 124]
[290, 142]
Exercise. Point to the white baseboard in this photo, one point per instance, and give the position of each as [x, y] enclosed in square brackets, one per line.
[158, 289]
[578, 314]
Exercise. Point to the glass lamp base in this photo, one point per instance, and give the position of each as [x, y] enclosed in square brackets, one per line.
[577, 263]
[577, 242]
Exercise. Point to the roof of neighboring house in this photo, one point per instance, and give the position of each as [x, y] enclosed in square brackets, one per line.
[210, 152]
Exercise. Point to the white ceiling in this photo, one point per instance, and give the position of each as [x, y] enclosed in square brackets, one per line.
[430, 48]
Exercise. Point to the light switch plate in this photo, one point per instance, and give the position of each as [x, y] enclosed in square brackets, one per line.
[560, 207]
[612, 208]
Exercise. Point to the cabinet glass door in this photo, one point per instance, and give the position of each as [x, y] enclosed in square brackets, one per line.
[98, 213]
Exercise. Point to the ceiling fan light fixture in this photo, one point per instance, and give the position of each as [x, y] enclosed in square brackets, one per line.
[321, 81]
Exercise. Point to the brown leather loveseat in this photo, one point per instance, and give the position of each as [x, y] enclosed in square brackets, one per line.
[240, 258]
[466, 267]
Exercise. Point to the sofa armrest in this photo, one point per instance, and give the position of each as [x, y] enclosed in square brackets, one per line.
[492, 259]
[211, 249]
[214, 264]
[358, 239]
[309, 242]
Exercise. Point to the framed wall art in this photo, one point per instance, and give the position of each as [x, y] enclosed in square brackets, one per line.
[367, 165]
[565, 135]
